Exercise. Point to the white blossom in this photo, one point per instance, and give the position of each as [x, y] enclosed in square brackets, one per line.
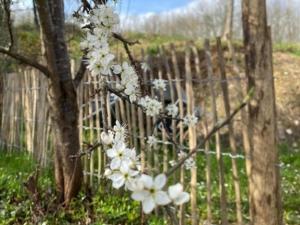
[151, 106]
[104, 16]
[119, 132]
[152, 141]
[190, 120]
[289, 131]
[107, 172]
[124, 163]
[172, 110]
[120, 155]
[129, 80]
[189, 163]
[159, 84]
[172, 162]
[117, 69]
[177, 195]
[124, 176]
[151, 194]
[107, 138]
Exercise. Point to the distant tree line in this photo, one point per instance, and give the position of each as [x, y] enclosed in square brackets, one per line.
[206, 19]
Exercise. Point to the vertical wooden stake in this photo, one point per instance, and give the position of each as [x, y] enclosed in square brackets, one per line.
[223, 198]
[192, 134]
[232, 142]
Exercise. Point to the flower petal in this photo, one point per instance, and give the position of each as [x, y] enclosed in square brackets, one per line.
[160, 181]
[124, 168]
[111, 153]
[161, 198]
[133, 173]
[115, 163]
[117, 183]
[135, 185]
[148, 205]
[175, 190]
[182, 198]
[147, 181]
[139, 195]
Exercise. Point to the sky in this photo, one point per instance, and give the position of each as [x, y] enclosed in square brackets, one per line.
[136, 7]
[127, 7]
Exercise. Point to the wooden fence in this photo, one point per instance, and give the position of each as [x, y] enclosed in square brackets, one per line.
[197, 82]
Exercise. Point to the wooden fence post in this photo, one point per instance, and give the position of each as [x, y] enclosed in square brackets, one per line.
[205, 132]
[264, 177]
[232, 142]
[181, 115]
[192, 133]
[223, 198]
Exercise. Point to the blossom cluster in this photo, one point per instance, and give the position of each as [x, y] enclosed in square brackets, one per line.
[159, 84]
[125, 171]
[102, 21]
[172, 110]
[100, 59]
[124, 168]
[151, 106]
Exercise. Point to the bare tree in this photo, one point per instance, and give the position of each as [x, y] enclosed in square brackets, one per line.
[262, 166]
[61, 94]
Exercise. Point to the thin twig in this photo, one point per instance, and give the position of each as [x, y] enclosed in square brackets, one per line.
[88, 151]
[217, 127]
[25, 60]
[81, 71]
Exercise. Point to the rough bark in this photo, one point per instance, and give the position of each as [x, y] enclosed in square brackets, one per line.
[62, 99]
[263, 171]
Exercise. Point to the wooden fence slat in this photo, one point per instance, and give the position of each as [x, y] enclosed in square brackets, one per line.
[204, 123]
[91, 126]
[223, 198]
[172, 95]
[192, 133]
[164, 134]
[232, 142]
[181, 115]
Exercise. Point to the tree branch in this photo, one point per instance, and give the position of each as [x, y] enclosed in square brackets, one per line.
[217, 127]
[6, 4]
[126, 44]
[25, 60]
[81, 71]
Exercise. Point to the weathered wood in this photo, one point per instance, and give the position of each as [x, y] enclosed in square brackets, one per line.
[231, 133]
[223, 198]
[191, 133]
[91, 101]
[181, 115]
[149, 159]
[173, 100]
[201, 97]
[263, 171]
[164, 134]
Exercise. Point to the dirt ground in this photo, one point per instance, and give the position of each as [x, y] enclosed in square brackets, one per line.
[287, 87]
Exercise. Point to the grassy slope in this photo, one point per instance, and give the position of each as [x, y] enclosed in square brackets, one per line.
[16, 207]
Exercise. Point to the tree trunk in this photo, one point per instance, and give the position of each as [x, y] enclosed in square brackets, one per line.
[263, 171]
[68, 172]
[228, 25]
[62, 99]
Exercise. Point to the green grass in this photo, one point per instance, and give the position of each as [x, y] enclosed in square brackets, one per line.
[293, 48]
[106, 206]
